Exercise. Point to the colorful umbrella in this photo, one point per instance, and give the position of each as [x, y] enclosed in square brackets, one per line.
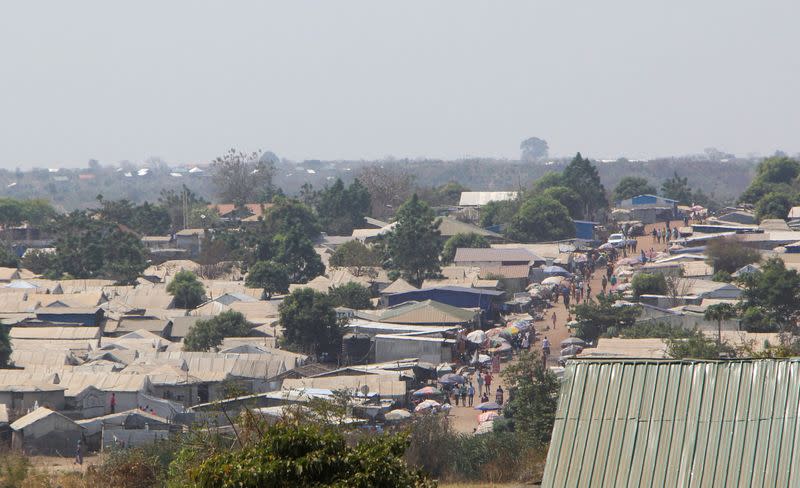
[486, 406]
[477, 337]
[427, 405]
[427, 391]
[452, 379]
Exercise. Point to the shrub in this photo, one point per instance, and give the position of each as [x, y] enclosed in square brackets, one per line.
[648, 284]
[755, 320]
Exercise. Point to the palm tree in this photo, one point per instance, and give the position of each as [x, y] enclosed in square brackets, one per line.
[720, 312]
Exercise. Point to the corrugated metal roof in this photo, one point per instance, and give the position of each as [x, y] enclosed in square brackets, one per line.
[54, 333]
[37, 415]
[427, 312]
[677, 423]
[491, 255]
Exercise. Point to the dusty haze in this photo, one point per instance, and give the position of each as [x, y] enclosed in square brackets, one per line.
[184, 80]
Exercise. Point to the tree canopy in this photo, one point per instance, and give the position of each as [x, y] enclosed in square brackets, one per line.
[774, 205]
[596, 317]
[309, 322]
[342, 209]
[533, 149]
[187, 289]
[729, 255]
[469, 239]
[414, 244]
[269, 276]
[775, 290]
[243, 177]
[351, 295]
[568, 198]
[677, 188]
[356, 256]
[541, 219]
[631, 186]
[648, 284]
[206, 334]
[287, 215]
[582, 176]
[533, 397]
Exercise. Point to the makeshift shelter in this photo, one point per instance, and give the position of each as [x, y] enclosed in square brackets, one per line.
[46, 432]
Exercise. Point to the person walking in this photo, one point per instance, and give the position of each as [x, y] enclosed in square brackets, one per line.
[79, 453]
[604, 284]
[554, 320]
[546, 347]
[456, 394]
[463, 391]
[498, 396]
[470, 393]
[487, 381]
[480, 382]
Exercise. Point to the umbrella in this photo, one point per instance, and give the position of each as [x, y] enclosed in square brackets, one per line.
[505, 346]
[476, 337]
[555, 270]
[444, 368]
[427, 391]
[606, 246]
[452, 379]
[571, 350]
[399, 414]
[484, 427]
[487, 416]
[629, 262]
[486, 406]
[512, 329]
[497, 341]
[426, 405]
[580, 258]
[494, 332]
[697, 208]
[483, 358]
[573, 341]
[553, 280]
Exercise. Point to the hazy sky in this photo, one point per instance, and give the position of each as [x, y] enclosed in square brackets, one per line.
[331, 79]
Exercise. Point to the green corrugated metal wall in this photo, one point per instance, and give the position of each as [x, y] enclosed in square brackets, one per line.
[677, 423]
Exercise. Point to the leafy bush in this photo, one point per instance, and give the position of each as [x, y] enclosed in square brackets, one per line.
[755, 320]
[722, 276]
[654, 330]
[697, 346]
[648, 284]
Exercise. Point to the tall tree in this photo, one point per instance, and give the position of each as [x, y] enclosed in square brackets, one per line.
[729, 255]
[568, 198]
[541, 219]
[533, 149]
[720, 312]
[206, 334]
[677, 188]
[243, 177]
[355, 256]
[470, 239]
[296, 253]
[532, 406]
[341, 209]
[414, 244]
[582, 176]
[288, 215]
[631, 186]
[269, 276]
[309, 322]
[388, 186]
[775, 290]
[774, 205]
[187, 289]
[351, 295]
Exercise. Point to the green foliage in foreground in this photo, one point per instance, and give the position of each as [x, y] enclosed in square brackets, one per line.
[289, 455]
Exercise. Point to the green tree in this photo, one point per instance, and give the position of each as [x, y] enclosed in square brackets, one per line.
[243, 178]
[343, 209]
[5, 347]
[568, 198]
[596, 317]
[356, 256]
[38, 212]
[10, 212]
[269, 276]
[541, 219]
[677, 188]
[91, 248]
[775, 290]
[697, 346]
[187, 289]
[309, 322]
[582, 176]
[414, 244]
[293, 454]
[499, 212]
[778, 169]
[173, 202]
[287, 215]
[774, 205]
[533, 397]
[351, 295]
[533, 149]
[38, 261]
[718, 313]
[469, 239]
[729, 255]
[648, 284]
[548, 180]
[8, 258]
[296, 253]
[631, 186]
[206, 334]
